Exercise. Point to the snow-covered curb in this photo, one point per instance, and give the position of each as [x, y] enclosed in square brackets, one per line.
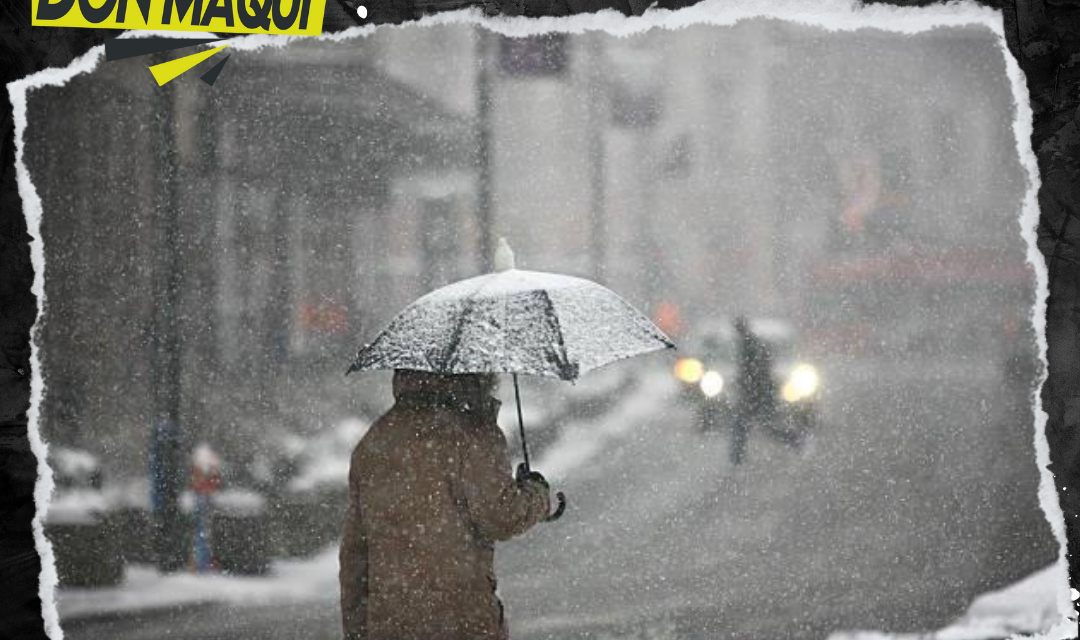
[582, 442]
[144, 589]
[1029, 607]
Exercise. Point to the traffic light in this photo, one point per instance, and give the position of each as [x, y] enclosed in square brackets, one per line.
[677, 157]
[666, 318]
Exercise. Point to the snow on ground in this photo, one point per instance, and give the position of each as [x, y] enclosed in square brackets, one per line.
[144, 588]
[1027, 607]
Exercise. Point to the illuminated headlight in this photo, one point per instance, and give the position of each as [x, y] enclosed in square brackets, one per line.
[712, 383]
[802, 383]
[689, 370]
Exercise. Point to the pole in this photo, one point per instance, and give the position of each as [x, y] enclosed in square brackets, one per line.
[486, 236]
[166, 454]
[521, 424]
[651, 269]
[597, 92]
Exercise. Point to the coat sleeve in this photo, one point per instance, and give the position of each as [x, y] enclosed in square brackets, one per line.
[353, 565]
[499, 507]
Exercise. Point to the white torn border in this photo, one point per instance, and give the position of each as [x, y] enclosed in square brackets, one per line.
[831, 15]
[1029, 221]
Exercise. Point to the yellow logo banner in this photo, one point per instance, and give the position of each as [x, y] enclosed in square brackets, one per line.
[285, 17]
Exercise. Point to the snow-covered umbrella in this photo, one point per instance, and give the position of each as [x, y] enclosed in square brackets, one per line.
[516, 322]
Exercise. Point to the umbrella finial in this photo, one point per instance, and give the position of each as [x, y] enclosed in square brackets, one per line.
[504, 256]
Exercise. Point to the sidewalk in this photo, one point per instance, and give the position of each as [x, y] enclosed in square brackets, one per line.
[144, 590]
[1028, 607]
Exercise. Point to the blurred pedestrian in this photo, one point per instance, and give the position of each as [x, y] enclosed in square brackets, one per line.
[205, 482]
[430, 492]
[756, 398]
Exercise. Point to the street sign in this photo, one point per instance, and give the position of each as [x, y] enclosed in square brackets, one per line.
[677, 158]
[635, 107]
[535, 56]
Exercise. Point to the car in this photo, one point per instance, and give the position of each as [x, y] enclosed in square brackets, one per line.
[708, 370]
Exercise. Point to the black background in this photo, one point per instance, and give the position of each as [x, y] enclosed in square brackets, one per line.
[1043, 35]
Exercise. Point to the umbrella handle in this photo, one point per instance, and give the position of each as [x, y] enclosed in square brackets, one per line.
[561, 497]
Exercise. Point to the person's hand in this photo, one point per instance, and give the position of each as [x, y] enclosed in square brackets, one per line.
[523, 474]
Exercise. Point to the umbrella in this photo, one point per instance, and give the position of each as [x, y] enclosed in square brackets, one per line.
[516, 322]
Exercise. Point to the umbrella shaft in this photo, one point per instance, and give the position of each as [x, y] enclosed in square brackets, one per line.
[521, 424]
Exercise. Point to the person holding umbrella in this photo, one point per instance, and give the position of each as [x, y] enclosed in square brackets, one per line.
[757, 388]
[430, 490]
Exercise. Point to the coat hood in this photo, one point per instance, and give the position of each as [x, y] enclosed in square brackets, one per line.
[466, 391]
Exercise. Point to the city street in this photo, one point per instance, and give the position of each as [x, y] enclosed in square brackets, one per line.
[917, 495]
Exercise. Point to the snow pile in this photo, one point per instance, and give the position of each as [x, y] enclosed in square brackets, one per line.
[239, 502]
[144, 588]
[132, 493]
[1028, 607]
[77, 499]
[73, 465]
[76, 506]
[324, 459]
[232, 502]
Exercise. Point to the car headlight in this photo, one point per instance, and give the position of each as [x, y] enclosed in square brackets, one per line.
[802, 383]
[689, 370]
[712, 383]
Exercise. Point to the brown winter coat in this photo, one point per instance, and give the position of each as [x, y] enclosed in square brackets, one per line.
[430, 492]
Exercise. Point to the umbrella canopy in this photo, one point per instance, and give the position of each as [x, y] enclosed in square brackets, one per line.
[513, 321]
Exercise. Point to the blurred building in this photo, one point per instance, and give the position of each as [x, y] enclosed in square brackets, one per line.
[767, 168]
[287, 178]
[915, 247]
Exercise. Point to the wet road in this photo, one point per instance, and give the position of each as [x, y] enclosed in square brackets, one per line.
[918, 494]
